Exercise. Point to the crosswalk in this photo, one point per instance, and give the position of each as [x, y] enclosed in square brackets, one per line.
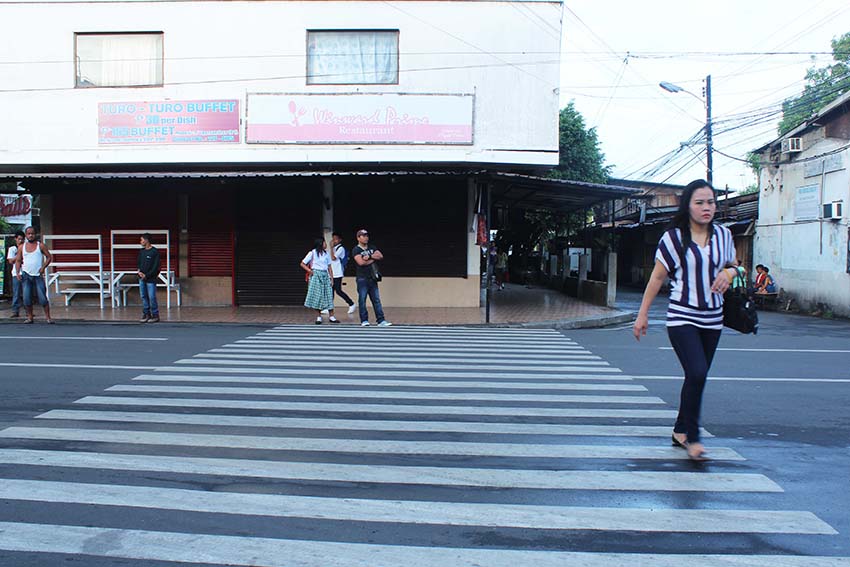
[413, 446]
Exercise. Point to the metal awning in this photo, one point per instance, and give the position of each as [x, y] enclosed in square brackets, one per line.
[542, 193]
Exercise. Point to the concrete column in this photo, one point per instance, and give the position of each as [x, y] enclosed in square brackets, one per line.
[611, 298]
[327, 208]
[183, 235]
[582, 274]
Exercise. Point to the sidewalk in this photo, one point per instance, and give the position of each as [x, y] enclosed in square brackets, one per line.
[514, 306]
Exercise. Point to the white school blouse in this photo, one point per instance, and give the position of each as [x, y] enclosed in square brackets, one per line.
[691, 300]
[317, 262]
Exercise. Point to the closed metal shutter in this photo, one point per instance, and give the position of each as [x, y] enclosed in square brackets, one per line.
[419, 224]
[276, 225]
[211, 234]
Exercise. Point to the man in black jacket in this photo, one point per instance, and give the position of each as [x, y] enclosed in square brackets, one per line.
[148, 265]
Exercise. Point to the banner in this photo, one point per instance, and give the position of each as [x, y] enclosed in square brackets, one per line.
[353, 118]
[168, 122]
[16, 209]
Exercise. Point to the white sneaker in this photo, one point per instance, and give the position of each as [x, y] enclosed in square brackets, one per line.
[385, 324]
[352, 309]
[364, 324]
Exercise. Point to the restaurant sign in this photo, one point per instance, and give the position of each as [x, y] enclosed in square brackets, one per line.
[168, 122]
[353, 118]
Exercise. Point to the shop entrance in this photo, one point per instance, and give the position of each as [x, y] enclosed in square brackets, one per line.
[276, 223]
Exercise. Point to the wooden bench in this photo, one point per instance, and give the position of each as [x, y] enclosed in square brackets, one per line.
[766, 299]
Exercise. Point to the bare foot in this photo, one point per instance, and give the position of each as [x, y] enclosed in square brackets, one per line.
[696, 452]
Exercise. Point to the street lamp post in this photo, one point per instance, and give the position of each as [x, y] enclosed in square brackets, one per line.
[709, 144]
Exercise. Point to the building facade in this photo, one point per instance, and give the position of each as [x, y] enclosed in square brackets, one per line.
[248, 129]
[802, 232]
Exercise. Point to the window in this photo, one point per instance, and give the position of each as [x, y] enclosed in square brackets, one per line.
[118, 59]
[352, 57]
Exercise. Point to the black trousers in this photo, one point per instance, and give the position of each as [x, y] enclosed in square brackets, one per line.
[342, 294]
[695, 348]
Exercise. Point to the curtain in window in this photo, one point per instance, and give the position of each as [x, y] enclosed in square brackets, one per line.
[115, 60]
[352, 57]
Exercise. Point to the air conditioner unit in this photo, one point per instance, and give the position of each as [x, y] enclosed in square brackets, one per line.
[833, 210]
[792, 145]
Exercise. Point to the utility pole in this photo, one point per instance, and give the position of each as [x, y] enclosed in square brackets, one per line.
[709, 149]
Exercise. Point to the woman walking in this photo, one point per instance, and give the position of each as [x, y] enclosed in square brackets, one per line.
[320, 295]
[699, 258]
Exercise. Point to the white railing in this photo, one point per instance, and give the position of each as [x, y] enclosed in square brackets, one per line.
[70, 276]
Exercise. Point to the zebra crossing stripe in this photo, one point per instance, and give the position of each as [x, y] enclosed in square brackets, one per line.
[371, 372]
[360, 446]
[253, 551]
[412, 361]
[379, 357]
[575, 367]
[490, 385]
[661, 481]
[421, 332]
[324, 424]
[419, 512]
[379, 342]
[389, 394]
[452, 347]
[411, 409]
[386, 351]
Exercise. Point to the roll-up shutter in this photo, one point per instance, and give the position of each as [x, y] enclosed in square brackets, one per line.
[418, 224]
[276, 226]
[211, 233]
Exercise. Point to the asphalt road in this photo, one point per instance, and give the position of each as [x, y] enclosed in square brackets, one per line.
[776, 405]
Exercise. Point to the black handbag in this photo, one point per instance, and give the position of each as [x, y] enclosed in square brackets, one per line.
[375, 274]
[739, 311]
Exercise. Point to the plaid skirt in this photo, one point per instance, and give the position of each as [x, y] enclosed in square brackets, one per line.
[320, 294]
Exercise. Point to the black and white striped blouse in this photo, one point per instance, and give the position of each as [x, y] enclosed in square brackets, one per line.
[691, 300]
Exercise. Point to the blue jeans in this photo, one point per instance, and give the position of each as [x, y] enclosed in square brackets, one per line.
[148, 292]
[28, 282]
[368, 286]
[17, 300]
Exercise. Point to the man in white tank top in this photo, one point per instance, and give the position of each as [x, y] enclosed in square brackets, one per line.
[30, 264]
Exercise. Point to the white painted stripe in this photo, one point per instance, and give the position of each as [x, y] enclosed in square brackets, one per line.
[381, 408]
[419, 512]
[814, 350]
[244, 551]
[494, 343]
[666, 481]
[50, 338]
[743, 379]
[450, 384]
[422, 331]
[388, 394]
[360, 446]
[531, 375]
[468, 358]
[506, 348]
[578, 366]
[661, 432]
[86, 366]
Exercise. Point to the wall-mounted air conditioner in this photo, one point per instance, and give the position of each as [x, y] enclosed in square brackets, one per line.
[792, 145]
[833, 210]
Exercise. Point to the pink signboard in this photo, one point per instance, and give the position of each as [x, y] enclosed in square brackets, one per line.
[354, 118]
[168, 122]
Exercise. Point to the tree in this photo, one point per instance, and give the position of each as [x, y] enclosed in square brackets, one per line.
[823, 85]
[580, 158]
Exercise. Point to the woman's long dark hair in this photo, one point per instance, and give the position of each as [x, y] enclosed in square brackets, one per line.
[682, 218]
[318, 246]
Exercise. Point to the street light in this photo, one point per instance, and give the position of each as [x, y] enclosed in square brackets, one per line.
[671, 88]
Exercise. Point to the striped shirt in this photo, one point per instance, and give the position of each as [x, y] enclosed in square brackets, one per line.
[691, 300]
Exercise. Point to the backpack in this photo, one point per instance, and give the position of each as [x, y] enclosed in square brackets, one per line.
[344, 261]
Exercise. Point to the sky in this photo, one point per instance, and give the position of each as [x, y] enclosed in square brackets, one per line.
[638, 123]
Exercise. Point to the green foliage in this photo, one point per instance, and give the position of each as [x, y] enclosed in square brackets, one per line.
[580, 158]
[823, 85]
[754, 160]
[754, 188]
[5, 227]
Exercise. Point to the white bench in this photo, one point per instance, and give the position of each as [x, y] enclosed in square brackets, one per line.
[71, 276]
[121, 288]
[84, 282]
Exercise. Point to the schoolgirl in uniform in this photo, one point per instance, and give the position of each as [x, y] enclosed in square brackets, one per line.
[699, 258]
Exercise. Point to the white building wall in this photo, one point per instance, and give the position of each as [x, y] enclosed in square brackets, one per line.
[505, 53]
[808, 258]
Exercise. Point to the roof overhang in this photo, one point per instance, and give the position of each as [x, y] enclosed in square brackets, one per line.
[558, 195]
